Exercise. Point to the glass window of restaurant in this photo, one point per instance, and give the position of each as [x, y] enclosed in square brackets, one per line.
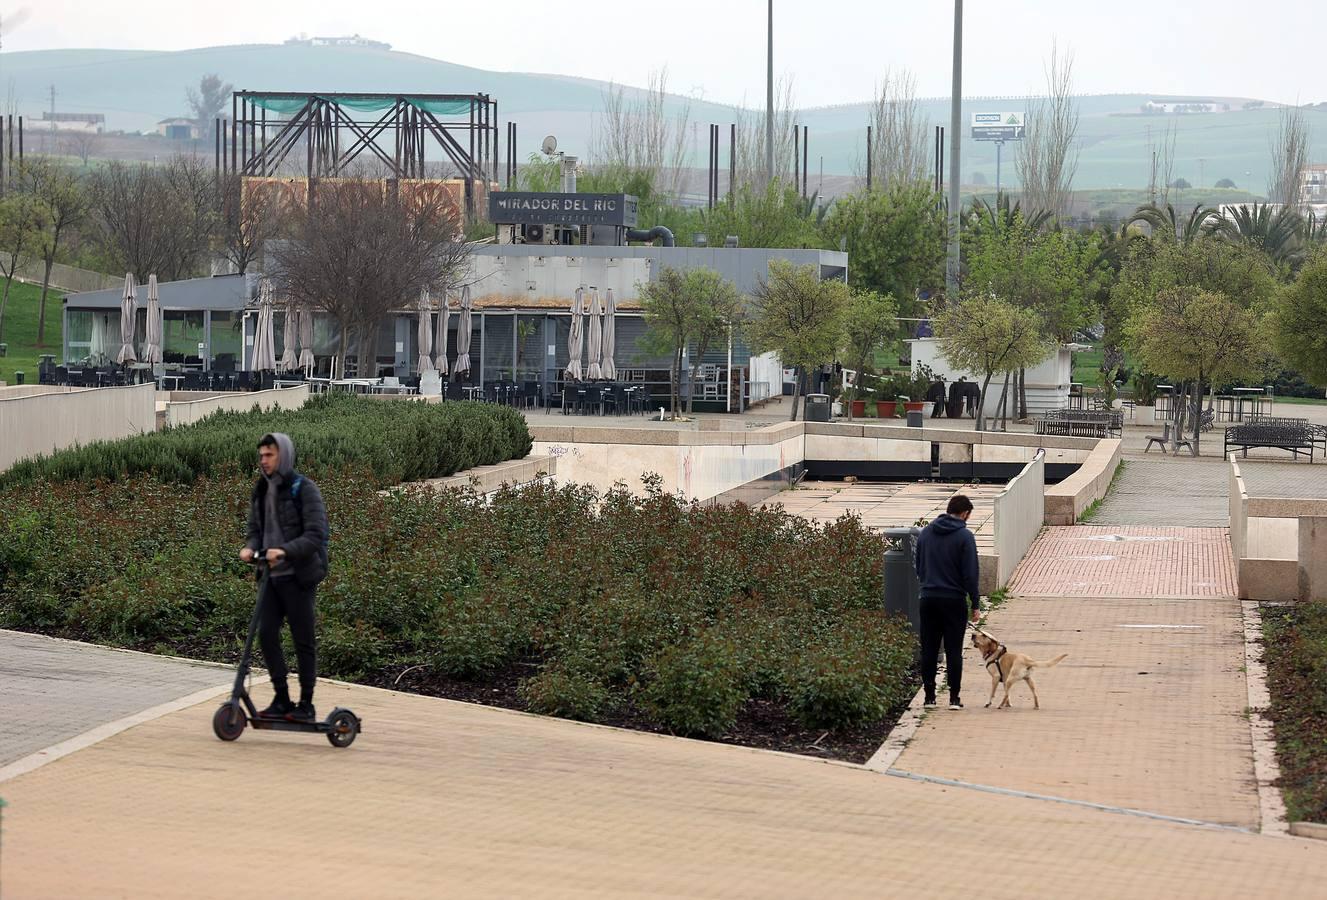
[181, 333]
[499, 337]
[225, 340]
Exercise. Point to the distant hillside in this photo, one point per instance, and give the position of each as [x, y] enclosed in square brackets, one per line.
[135, 89]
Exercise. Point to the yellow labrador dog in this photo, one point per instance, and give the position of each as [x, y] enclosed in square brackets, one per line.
[1007, 667]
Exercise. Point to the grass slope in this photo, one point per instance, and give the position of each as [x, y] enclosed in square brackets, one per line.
[20, 330]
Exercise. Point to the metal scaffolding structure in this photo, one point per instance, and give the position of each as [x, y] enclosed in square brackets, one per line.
[331, 131]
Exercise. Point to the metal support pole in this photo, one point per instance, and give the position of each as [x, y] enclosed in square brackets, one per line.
[868, 157]
[234, 137]
[999, 145]
[956, 140]
[797, 157]
[769, 101]
[732, 164]
[806, 158]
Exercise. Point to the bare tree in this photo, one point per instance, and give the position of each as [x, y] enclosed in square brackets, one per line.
[248, 216]
[82, 144]
[207, 102]
[751, 138]
[360, 249]
[1048, 154]
[900, 150]
[637, 133]
[1163, 166]
[156, 219]
[1290, 152]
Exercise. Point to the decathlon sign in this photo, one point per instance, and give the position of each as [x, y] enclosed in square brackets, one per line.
[1006, 126]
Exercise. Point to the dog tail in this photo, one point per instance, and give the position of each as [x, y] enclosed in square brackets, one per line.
[1033, 664]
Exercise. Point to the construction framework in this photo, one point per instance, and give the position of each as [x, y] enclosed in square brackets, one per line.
[333, 130]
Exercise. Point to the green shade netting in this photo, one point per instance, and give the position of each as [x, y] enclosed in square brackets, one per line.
[290, 105]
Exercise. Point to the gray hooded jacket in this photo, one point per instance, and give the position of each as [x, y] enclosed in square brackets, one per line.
[294, 521]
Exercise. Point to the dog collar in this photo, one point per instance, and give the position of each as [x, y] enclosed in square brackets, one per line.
[995, 661]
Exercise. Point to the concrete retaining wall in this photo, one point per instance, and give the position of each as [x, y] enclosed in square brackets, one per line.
[41, 423]
[1066, 501]
[1273, 540]
[187, 412]
[1017, 519]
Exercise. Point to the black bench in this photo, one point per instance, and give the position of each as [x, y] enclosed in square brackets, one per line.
[1080, 422]
[1293, 436]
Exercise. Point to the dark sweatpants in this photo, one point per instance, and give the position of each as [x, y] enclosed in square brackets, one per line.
[285, 600]
[943, 619]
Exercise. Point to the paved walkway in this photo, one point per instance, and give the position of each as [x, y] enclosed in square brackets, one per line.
[1127, 561]
[447, 799]
[1168, 491]
[54, 690]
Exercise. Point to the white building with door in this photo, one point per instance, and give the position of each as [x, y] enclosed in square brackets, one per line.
[1047, 382]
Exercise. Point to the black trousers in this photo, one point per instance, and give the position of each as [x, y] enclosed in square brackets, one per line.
[943, 619]
[285, 600]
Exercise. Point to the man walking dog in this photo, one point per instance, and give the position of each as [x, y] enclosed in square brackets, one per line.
[287, 519]
[947, 569]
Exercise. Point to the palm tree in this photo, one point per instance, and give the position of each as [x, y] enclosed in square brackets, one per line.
[1001, 214]
[1277, 231]
[1168, 221]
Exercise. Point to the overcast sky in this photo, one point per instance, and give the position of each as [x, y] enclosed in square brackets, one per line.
[834, 50]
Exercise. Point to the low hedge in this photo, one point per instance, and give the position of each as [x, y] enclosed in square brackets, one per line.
[613, 603]
[391, 442]
[1295, 651]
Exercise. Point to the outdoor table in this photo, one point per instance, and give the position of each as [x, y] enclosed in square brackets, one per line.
[164, 377]
[1251, 396]
[287, 382]
[354, 385]
[1225, 407]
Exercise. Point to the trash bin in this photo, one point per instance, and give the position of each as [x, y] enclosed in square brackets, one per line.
[914, 418]
[18, 378]
[817, 408]
[902, 589]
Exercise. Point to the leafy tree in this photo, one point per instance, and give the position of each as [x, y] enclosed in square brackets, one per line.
[208, 101]
[801, 317]
[1241, 272]
[1298, 321]
[682, 308]
[61, 204]
[1196, 335]
[869, 321]
[1226, 184]
[1050, 273]
[18, 234]
[985, 334]
[1181, 184]
[772, 216]
[895, 238]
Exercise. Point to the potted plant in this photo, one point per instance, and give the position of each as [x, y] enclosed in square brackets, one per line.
[886, 404]
[917, 386]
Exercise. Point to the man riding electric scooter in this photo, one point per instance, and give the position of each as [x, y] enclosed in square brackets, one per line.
[287, 516]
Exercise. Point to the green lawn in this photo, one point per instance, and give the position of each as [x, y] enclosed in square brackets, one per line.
[20, 331]
[1304, 401]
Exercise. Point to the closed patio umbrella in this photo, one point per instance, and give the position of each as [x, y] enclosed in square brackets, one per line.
[463, 335]
[608, 367]
[425, 334]
[152, 336]
[102, 339]
[306, 340]
[444, 320]
[575, 338]
[289, 335]
[127, 354]
[264, 341]
[593, 371]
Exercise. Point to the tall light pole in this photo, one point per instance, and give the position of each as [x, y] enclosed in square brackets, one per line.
[769, 102]
[955, 140]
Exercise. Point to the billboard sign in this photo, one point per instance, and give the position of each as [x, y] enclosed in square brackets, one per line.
[997, 126]
[537, 208]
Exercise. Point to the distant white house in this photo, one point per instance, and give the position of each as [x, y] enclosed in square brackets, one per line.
[179, 129]
[353, 40]
[1047, 382]
[1173, 108]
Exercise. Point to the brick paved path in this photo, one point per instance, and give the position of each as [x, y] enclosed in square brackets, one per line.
[52, 690]
[1104, 561]
[1173, 491]
[442, 799]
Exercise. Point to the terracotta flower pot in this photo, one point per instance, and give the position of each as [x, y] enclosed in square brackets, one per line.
[914, 406]
[886, 409]
[858, 409]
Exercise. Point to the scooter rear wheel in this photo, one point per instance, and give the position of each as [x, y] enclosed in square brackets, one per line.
[228, 721]
[344, 727]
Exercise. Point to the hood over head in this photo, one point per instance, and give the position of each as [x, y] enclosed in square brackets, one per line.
[287, 448]
[943, 524]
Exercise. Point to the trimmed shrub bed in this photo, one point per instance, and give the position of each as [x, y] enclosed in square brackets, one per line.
[391, 442]
[723, 622]
[1295, 651]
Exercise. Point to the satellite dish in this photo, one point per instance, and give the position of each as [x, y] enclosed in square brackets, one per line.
[550, 145]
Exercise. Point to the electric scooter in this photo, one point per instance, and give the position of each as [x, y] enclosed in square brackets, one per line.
[341, 725]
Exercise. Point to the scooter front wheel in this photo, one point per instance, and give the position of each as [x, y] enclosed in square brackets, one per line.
[228, 721]
[343, 727]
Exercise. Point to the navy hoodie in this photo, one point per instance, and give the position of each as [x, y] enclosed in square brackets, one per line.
[947, 560]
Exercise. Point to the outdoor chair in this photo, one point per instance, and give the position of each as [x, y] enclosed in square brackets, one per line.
[196, 381]
[530, 394]
[614, 396]
[452, 391]
[1161, 440]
